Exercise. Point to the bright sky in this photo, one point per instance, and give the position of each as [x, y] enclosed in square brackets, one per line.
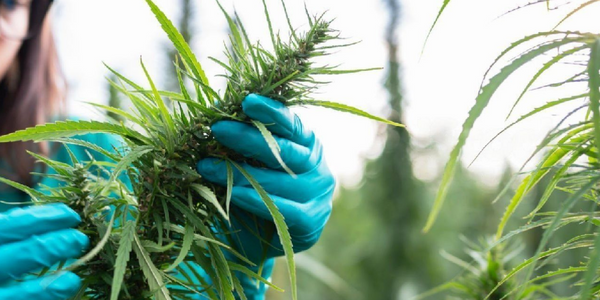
[439, 87]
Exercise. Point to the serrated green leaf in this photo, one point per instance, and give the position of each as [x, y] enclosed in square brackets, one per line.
[273, 145]
[169, 125]
[216, 255]
[272, 86]
[437, 18]
[198, 237]
[209, 196]
[549, 231]
[513, 46]
[192, 104]
[35, 195]
[123, 78]
[128, 159]
[74, 160]
[229, 186]
[237, 37]
[203, 261]
[344, 108]
[125, 247]
[254, 275]
[180, 44]
[550, 187]
[551, 159]
[88, 145]
[253, 55]
[152, 274]
[145, 112]
[282, 229]
[182, 87]
[237, 285]
[188, 238]
[576, 10]
[183, 290]
[481, 102]
[64, 129]
[153, 247]
[545, 67]
[353, 71]
[289, 21]
[60, 167]
[594, 85]
[119, 112]
[268, 17]
[531, 262]
[526, 116]
[224, 276]
[592, 269]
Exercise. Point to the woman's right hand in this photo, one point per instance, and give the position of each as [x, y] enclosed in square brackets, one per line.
[35, 237]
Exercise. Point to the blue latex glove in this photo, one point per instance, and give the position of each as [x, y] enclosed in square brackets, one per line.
[35, 237]
[304, 201]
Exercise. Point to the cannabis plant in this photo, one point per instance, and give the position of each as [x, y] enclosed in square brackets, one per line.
[171, 217]
[485, 274]
[569, 165]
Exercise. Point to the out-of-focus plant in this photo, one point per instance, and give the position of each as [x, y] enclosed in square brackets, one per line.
[384, 255]
[570, 166]
[186, 9]
[484, 275]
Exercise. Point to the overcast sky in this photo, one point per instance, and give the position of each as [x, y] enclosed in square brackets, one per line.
[439, 87]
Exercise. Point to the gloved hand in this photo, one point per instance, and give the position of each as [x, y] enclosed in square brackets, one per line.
[304, 201]
[35, 237]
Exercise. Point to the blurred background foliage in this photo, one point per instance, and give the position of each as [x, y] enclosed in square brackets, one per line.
[373, 246]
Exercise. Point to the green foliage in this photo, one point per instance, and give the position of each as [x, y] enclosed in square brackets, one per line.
[375, 220]
[569, 171]
[437, 18]
[153, 275]
[483, 276]
[346, 108]
[125, 247]
[64, 129]
[187, 12]
[163, 147]
[280, 224]
[485, 95]
[272, 145]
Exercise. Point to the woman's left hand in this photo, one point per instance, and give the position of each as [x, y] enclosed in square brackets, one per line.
[305, 201]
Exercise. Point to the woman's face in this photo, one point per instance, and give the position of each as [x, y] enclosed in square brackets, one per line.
[14, 23]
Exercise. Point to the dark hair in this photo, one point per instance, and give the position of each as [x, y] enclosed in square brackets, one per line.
[31, 93]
